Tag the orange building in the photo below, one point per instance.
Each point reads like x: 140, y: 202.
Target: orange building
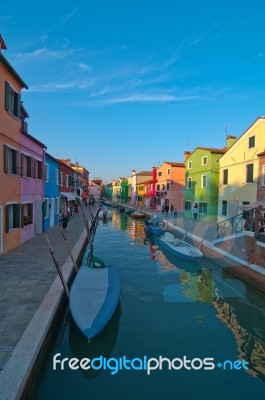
x: 10, y: 130
x: 170, y: 185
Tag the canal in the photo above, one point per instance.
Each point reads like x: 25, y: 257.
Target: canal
x: 203, y: 329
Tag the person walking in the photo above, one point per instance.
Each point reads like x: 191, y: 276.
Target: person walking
x: 195, y: 210
x: 166, y: 209
x: 163, y: 208
x: 65, y: 220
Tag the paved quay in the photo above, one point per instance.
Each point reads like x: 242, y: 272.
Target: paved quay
x: 30, y: 292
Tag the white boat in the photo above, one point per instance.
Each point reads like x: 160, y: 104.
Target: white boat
x: 137, y: 214
x: 179, y: 247
x: 94, y: 296
x: 105, y: 213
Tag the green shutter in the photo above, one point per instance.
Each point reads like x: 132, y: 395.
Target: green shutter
x: 16, y: 215
x: 7, y: 218
x: 7, y: 96
x: 5, y: 158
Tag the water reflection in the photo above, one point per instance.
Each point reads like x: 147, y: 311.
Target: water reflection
x: 101, y: 345
x: 249, y: 335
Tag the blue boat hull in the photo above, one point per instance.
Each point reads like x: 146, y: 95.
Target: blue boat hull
x: 94, y: 296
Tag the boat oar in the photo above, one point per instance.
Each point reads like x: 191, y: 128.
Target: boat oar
x: 58, y: 268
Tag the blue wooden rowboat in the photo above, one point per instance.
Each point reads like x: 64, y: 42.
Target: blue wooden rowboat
x: 179, y: 247
x: 94, y: 296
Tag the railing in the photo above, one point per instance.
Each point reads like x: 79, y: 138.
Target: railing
x: 236, y: 224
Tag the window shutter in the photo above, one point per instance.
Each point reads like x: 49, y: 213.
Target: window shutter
x: 7, y: 217
x: 17, y: 161
x: 16, y: 215
x: 7, y: 96
x: 22, y: 215
x: 5, y: 158
x: 22, y: 164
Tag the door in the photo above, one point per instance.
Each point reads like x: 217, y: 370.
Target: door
x: 52, y: 205
x: 38, y: 217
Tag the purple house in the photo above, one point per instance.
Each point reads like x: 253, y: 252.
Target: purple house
x: 32, y: 156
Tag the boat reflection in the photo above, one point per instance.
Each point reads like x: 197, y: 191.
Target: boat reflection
x: 101, y: 345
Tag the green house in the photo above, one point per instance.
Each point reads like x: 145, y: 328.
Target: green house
x: 124, y: 190
x: 202, y: 183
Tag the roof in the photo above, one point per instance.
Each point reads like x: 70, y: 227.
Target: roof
x: 175, y: 164
x: 34, y: 139
x: 143, y: 173
x: 12, y: 71
x: 2, y: 43
x: 210, y: 150
x: 250, y: 126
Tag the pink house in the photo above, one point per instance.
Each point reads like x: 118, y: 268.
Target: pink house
x: 32, y: 156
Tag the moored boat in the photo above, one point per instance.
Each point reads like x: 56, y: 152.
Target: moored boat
x: 154, y: 225
x: 179, y: 247
x: 137, y: 214
x: 94, y: 296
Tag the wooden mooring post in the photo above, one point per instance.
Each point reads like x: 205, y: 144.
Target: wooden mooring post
x: 58, y: 268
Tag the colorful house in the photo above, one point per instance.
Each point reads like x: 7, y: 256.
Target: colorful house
x: 170, y: 185
x: 11, y: 86
x: 239, y: 171
x: 51, y: 204
x: 150, y: 190
x: 124, y: 190
x: 202, y: 182
x: 261, y: 177
x: 135, y: 180
x: 107, y: 191
x: 32, y: 156
x: 116, y: 189
x: 66, y: 184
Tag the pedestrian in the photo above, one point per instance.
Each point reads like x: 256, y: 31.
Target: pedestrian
x: 65, y: 220
x: 195, y: 210
x: 172, y: 210
x: 166, y: 209
x: 163, y: 208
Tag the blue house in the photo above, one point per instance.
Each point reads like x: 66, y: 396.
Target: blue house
x: 51, y: 203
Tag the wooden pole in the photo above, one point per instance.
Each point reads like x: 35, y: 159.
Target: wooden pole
x: 58, y: 268
x: 69, y: 250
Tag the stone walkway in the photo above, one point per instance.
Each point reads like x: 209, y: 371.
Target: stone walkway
x: 27, y: 274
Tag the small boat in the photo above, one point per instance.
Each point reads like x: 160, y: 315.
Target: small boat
x: 179, y: 247
x: 94, y: 296
x: 121, y: 209
x: 105, y: 213
x: 137, y: 214
x: 154, y: 225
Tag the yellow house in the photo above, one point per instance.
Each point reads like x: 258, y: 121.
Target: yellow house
x: 116, y: 189
x: 239, y: 169
x: 140, y: 194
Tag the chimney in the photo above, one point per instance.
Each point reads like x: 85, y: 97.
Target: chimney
x: 186, y: 154
x: 230, y: 140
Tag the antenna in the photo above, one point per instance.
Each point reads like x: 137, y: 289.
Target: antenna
x: 188, y: 144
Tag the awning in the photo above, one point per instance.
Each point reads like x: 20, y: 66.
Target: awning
x: 250, y: 206
x: 68, y: 195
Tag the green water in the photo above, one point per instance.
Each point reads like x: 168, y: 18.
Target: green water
x: 169, y: 308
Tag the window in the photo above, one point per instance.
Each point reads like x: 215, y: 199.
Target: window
x: 160, y: 173
x: 203, y: 207
x: 46, y: 172
x: 46, y: 208
x: 12, y: 101
x: 26, y: 214
x: 38, y: 169
x: 204, y: 160
x: 224, y: 208
x: 204, y: 181
x: 249, y: 173
x: 189, y: 183
x: 60, y: 179
x: 225, y: 176
x: 187, y: 205
x: 11, y: 160
x: 168, y: 171
x: 251, y: 142
x: 12, y: 217
x: 67, y: 180
x: 57, y: 205
x: 168, y: 186
x: 189, y: 164
x: 57, y: 176
x: 26, y: 166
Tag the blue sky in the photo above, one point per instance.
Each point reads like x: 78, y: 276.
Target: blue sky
x: 127, y: 84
